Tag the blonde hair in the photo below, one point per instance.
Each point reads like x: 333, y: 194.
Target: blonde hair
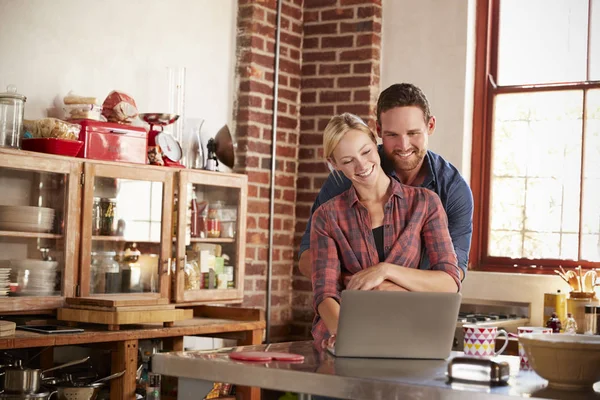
x: 338, y: 126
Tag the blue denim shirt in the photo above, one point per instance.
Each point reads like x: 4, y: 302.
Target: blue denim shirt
x: 442, y: 178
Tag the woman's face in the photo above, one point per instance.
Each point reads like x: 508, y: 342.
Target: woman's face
x: 356, y: 157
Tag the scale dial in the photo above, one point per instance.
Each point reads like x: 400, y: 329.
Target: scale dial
x: 169, y: 146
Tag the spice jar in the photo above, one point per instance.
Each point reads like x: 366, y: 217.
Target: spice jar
x: 213, y: 222
x: 12, y: 106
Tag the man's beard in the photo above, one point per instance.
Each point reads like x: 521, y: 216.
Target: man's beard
x: 410, y: 163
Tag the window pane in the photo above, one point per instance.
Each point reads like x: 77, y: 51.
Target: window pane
x: 595, y: 41
x: 590, y: 246
x: 536, y: 172
x: 550, y: 47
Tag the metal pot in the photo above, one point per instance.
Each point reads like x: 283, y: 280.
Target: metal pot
x: 27, y: 380
x: 26, y: 396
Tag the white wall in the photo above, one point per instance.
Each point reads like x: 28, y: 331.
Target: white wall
x: 431, y: 43
x: 427, y: 43
x: 49, y: 47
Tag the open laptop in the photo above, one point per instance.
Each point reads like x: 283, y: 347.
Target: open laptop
x: 396, y: 324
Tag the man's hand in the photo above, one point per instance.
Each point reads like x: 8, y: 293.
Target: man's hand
x: 369, y: 278
x: 387, y: 286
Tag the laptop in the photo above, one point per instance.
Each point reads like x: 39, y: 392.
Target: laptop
x: 415, y: 325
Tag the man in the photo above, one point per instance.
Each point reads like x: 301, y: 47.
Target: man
x: 404, y: 123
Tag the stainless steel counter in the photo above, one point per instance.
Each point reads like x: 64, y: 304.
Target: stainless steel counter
x: 346, y: 378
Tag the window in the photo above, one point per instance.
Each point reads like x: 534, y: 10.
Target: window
x: 536, y: 138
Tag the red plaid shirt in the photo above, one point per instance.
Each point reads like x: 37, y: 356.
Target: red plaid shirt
x: 341, y: 240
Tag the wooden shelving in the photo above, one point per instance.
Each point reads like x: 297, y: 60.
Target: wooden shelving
x: 34, y: 235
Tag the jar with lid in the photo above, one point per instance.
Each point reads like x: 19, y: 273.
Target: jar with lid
x: 104, y: 272
x: 12, y: 107
x: 576, y: 306
x: 103, y: 216
x: 213, y: 223
x: 590, y: 320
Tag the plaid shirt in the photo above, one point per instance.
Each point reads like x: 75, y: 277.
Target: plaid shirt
x: 341, y: 240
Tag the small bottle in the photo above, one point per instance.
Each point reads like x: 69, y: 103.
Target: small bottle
x: 590, y: 320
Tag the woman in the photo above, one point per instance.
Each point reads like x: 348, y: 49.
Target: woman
x: 374, y: 231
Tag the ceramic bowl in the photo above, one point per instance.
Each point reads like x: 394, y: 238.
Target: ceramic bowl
x: 568, y: 362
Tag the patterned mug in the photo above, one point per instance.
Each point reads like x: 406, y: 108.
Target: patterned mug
x: 523, y: 360
x: 480, y: 341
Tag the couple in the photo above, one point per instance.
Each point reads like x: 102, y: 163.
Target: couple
x: 400, y: 217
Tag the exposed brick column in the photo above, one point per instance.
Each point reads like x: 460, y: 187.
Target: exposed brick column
x: 253, y: 118
x: 340, y: 73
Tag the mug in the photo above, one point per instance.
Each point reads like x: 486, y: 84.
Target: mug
x: 523, y: 360
x: 480, y: 341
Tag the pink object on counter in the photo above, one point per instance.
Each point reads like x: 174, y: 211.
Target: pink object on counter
x: 262, y: 356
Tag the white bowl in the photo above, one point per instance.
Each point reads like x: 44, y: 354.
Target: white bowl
x: 568, y: 362
x: 26, y: 227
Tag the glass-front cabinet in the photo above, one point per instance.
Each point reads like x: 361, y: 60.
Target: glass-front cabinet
x: 39, y: 230
x: 210, y: 229
x: 126, y: 238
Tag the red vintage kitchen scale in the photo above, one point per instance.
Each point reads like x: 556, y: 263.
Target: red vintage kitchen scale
x: 163, y: 148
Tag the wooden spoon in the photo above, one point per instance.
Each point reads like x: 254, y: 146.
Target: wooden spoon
x: 573, y: 280
x: 589, y: 280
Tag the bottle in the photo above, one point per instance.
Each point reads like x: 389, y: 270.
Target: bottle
x: 597, y: 320
x: 212, y: 163
x: 194, y: 228
x: 590, y: 320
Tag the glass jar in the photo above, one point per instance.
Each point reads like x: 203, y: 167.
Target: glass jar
x: 590, y: 320
x: 103, y: 216
x: 12, y: 107
x: 104, y: 272
x: 213, y: 222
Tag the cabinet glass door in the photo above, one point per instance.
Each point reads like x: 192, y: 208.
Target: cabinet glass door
x: 211, y: 236
x: 38, y: 236
x: 127, y: 230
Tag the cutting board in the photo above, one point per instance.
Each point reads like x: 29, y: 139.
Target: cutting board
x: 116, y: 318
x: 112, y: 301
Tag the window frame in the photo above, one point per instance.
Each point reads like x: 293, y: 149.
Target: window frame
x: 485, y: 89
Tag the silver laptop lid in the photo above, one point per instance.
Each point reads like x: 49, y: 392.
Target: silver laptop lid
x: 397, y: 324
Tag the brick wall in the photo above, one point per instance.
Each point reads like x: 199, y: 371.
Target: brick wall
x: 253, y: 119
x: 340, y: 73
x: 329, y: 64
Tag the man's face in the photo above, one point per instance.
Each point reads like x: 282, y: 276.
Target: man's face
x: 405, y: 136
x: 356, y: 157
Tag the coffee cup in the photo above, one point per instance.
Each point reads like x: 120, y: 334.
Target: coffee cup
x: 480, y: 341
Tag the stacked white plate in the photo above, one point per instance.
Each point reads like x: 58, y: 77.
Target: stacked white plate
x: 35, y: 277
x: 26, y: 218
x: 4, y: 281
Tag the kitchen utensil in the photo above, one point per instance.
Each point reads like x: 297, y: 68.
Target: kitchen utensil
x: 478, y: 370
x: 110, y: 377
x: 18, y: 379
x: 87, y: 392
x: 573, y: 281
x: 568, y: 362
x: 589, y: 280
x: 161, y: 149
x: 26, y: 396
x: 12, y: 106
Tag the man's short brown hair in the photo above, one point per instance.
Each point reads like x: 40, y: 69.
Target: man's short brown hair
x: 402, y: 95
